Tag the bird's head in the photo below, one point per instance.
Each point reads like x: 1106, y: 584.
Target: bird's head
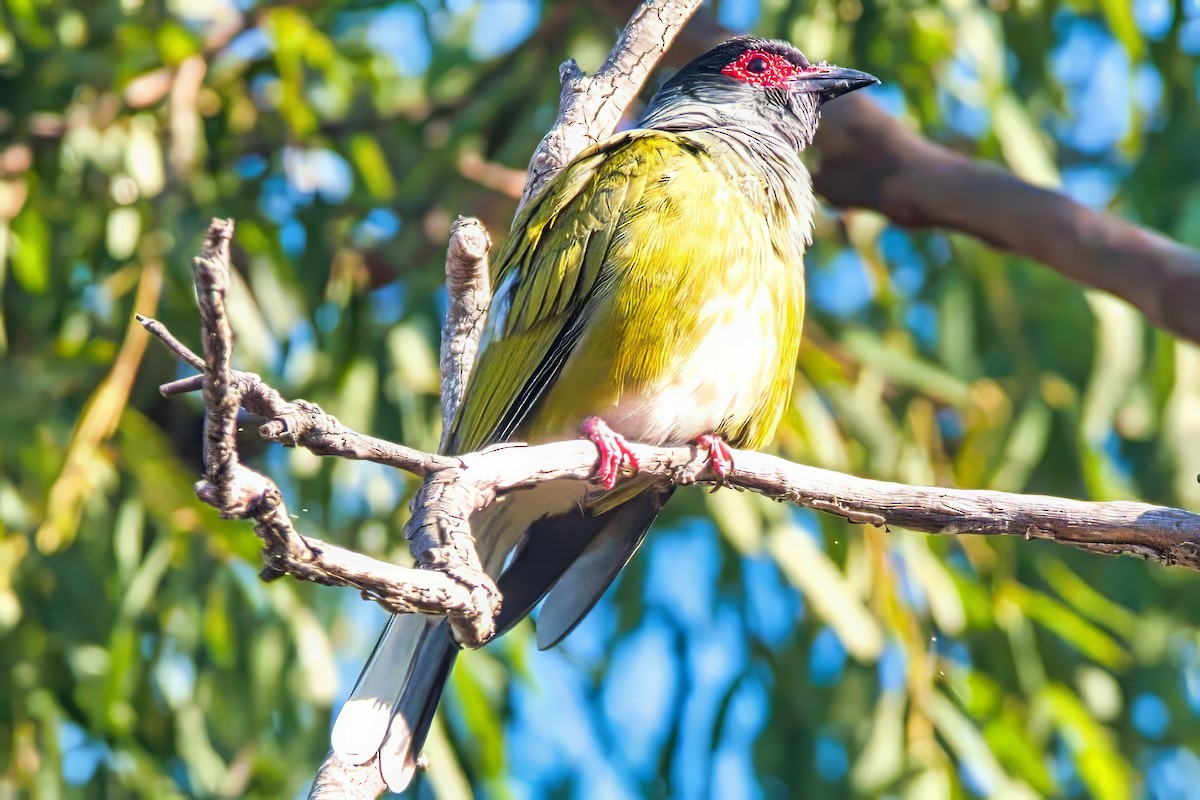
x: 750, y: 82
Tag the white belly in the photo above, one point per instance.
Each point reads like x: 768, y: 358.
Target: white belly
x: 725, y: 372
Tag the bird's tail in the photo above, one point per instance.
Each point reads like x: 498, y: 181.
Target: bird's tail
x: 392, y: 705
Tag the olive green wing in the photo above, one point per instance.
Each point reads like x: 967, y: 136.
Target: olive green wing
x: 548, y: 276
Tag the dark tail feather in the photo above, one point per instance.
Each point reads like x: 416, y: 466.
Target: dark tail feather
x: 552, y: 545
x: 573, y: 558
x: 589, y: 576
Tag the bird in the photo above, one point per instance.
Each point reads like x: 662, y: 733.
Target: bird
x: 653, y: 290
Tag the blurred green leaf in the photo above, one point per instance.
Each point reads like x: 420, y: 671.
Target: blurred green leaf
x: 1067, y: 625
x: 1087, y: 600
x: 882, y: 757
x: 972, y: 749
x: 372, y: 166
x: 479, y: 718
x: 30, y: 252
x: 906, y: 370
x: 811, y: 571
x: 1023, y: 144
x: 1105, y: 773
x: 1019, y: 751
x: 1122, y: 23
x: 175, y: 42
x: 945, y: 602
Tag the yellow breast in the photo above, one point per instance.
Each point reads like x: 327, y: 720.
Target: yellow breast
x: 698, y: 331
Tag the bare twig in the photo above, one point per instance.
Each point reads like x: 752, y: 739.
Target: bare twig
x: 156, y: 328
x: 470, y: 291
x: 591, y: 106
x: 298, y: 424
x: 238, y: 492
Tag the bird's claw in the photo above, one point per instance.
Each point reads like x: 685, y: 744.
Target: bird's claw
x: 718, y: 455
x: 614, y: 451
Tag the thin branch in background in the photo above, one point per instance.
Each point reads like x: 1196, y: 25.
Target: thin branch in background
x: 870, y: 160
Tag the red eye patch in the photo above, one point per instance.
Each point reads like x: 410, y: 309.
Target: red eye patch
x: 761, y: 68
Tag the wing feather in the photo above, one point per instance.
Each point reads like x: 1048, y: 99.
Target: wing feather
x: 560, y: 259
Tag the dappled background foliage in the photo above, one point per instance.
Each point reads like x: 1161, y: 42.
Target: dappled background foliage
x: 751, y: 649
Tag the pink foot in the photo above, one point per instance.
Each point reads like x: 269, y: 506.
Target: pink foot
x: 614, y: 451
x: 720, y: 457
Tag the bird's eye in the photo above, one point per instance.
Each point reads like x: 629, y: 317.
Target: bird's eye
x: 760, y: 68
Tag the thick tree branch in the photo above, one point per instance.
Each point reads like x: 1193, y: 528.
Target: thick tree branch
x: 1167, y: 535
x: 869, y: 160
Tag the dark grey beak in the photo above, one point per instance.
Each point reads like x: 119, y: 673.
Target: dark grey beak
x: 830, y: 81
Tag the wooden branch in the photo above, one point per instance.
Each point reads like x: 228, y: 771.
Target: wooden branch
x: 1168, y: 535
x: 457, y: 487
x: 869, y: 160
x: 469, y: 287
x: 298, y: 424
x: 455, y: 584
x: 590, y: 107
